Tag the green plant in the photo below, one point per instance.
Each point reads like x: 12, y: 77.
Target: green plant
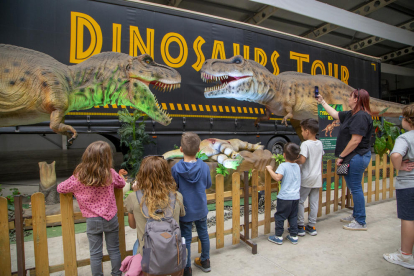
x: 221, y: 169
x: 201, y: 155
x: 278, y: 158
x: 385, y: 135
x: 176, y: 147
x: 134, y: 137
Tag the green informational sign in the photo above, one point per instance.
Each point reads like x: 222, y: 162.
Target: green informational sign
x: 328, y: 130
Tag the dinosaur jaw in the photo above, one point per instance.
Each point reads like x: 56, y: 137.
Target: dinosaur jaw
x: 229, y: 87
x: 144, y: 100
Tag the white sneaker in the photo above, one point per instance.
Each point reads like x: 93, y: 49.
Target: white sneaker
x: 400, y: 259
x: 348, y: 219
x: 355, y: 226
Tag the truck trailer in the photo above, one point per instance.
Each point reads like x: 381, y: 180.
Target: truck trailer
x: 72, y: 31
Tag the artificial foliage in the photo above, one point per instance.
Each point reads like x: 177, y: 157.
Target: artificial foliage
x: 134, y: 137
x: 221, y: 170
x: 278, y: 158
x: 385, y: 135
x: 201, y: 155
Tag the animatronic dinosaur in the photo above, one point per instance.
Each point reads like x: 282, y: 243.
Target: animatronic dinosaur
x: 289, y: 94
x: 224, y: 152
x: 329, y: 128
x: 35, y: 87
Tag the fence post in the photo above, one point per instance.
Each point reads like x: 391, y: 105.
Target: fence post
x: 268, y: 202
x: 320, y: 197
x: 343, y: 193
x: 119, y: 197
x: 18, y: 226
x: 220, y: 211
x: 40, y: 234
x: 377, y: 167
x: 384, y: 176
x: 255, y: 204
x: 68, y: 234
x: 336, y: 189
x: 391, y: 179
x: 369, y: 181
x: 235, y: 193
x: 328, y: 186
x: 5, y: 258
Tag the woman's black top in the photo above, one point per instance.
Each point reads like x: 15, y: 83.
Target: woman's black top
x: 361, y: 124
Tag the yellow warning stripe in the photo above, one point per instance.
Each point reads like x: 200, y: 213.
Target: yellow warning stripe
x: 176, y: 115
x: 202, y: 108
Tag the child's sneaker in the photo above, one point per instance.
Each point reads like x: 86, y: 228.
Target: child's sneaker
x: 348, y: 219
x: 311, y: 230
x: 301, y: 231
x: 203, y: 265
x: 400, y: 259
x: 274, y: 239
x: 188, y: 271
x: 293, y: 240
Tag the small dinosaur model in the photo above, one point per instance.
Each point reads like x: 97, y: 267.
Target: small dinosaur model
x: 34, y: 87
x: 289, y: 94
x: 225, y: 152
x: 329, y: 128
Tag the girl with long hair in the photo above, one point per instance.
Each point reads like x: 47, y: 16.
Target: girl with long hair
x: 353, y: 147
x: 93, y: 183
x: 155, y: 181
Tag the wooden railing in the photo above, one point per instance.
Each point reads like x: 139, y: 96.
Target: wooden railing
x: 39, y: 221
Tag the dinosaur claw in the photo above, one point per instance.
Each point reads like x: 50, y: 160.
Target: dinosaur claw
x: 70, y: 141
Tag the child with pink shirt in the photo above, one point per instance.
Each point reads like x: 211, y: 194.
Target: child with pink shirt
x: 92, y: 183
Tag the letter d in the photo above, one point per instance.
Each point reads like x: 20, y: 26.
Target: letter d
x: 78, y: 22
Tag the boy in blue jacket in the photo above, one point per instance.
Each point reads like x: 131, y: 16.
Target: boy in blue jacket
x: 192, y: 176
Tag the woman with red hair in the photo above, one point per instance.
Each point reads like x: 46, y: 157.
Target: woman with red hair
x: 353, y: 147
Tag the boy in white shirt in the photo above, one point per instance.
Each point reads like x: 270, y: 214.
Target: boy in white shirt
x: 310, y: 159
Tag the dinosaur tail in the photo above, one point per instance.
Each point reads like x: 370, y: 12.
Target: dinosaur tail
x: 393, y: 109
x: 173, y: 154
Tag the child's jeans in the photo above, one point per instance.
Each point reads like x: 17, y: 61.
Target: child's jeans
x: 95, y: 227
x: 286, y: 210
x: 186, y: 232
x: 313, y: 194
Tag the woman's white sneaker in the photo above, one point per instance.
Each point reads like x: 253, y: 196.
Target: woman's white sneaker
x: 400, y: 259
x: 355, y: 226
x: 348, y: 219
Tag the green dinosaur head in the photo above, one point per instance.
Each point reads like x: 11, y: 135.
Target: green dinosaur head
x: 239, y: 79
x: 143, y: 71
x: 117, y: 78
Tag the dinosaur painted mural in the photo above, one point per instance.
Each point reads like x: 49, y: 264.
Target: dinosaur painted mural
x: 225, y: 152
x: 289, y: 94
x: 34, y: 87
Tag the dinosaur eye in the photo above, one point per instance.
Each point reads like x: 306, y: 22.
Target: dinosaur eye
x: 237, y: 61
x: 148, y: 60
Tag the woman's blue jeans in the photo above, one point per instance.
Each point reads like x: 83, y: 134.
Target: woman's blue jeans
x: 357, y: 166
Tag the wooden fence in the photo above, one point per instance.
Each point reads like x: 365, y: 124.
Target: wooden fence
x: 341, y: 199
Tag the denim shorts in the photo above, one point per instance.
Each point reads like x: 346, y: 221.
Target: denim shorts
x: 405, y: 203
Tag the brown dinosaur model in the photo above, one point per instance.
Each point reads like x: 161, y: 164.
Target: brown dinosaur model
x: 329, y: 128
x: 35, y: 87
x: 289, y: 94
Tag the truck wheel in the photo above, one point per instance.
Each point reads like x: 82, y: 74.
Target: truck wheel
x: 276, y: 145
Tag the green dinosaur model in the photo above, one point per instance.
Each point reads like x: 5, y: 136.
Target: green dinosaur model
x: 289, y: 94
x: 35, y: 87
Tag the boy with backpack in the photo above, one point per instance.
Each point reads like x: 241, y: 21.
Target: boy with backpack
x: 310, y: 159
x: 192, y: 176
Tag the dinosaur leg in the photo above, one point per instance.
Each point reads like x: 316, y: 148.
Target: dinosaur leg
x: 266, y: 117
x: 296, y: 125
x: 57, y: 126
x: 289, y: 115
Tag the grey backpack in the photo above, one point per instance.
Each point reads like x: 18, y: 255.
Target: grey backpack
x: 163, y: 252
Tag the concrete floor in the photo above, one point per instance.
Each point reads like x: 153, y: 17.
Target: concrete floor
x: 332, y: 251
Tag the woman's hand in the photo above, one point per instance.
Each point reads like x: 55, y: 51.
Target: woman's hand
x: 407, y: 165
x: 339, y: 161
x: 319, y: 99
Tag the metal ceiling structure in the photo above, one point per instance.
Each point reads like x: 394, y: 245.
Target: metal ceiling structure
x: 380, y: 28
